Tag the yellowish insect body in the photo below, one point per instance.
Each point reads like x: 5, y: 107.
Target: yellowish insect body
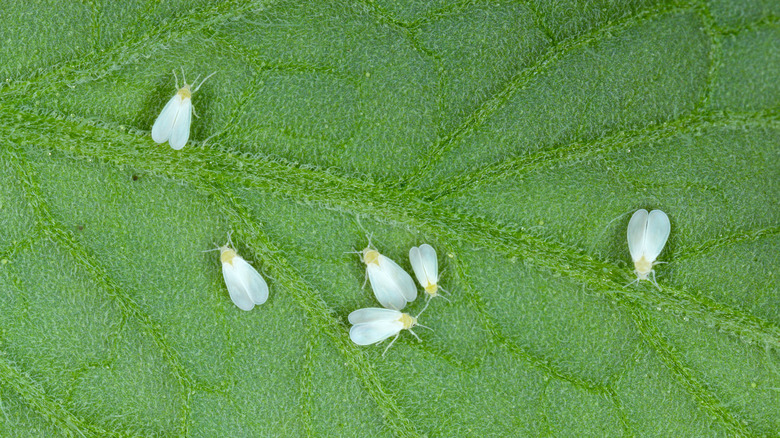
x: 226, y: 254
x: 185, y: 92
x: 173, y: 123
x: 426, y: 268
x: 245, y: 285
x: 647, y: 234
x: 373, y: 325
x: 643, y: 268
x: 370, y: 256
x: 407, y: 320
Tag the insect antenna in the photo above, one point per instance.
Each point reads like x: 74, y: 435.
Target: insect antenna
x: 427, y: 302
x: 201, y: 82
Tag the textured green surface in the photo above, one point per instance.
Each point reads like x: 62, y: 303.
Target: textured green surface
x: 515, y: 137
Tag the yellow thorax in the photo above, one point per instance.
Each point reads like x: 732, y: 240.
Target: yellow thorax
x: 407, y: 320
x: 185, y: 93
x: 226, y: 254
x: 371, y: 256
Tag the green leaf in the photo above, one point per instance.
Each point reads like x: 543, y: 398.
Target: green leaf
x: 515, y: 137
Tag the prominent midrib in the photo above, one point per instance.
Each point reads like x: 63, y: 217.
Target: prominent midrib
x: 332, y: 191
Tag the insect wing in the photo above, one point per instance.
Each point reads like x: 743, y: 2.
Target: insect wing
x: 238, y: 283
x: 369, y: 314
x: 400, y: 277
x: 385, y: 289
x: 425, y: 264
x: 163, y: 125
x: 180, y: 132
x: 236, y: 287
x: 256, y: 287
x: 393, y: 287
x: 656, y: 234
x: 374, y: 331
x: 637, y: 227
x: 415, y: 258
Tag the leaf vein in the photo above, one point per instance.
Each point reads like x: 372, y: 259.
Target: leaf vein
x: 519, y: 81
x: 57, y: 233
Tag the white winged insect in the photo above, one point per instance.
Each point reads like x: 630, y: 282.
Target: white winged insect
x: 373, y: 325
x: 173, y: 123
x: 393, y: 287
x: 647, y: 235
x: 244, y: 283
x: 426, y: 268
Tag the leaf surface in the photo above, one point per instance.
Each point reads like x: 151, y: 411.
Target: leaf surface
x: 514, y: 137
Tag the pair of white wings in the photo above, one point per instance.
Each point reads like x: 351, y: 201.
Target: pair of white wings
x: 647, y: 234
x: 244, y: 283
x: 173, y: 123
x: 425, y: 264
x: 393, y: 287
x: 372, y: 325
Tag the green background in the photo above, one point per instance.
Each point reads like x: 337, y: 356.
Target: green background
x: 516, y: 137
